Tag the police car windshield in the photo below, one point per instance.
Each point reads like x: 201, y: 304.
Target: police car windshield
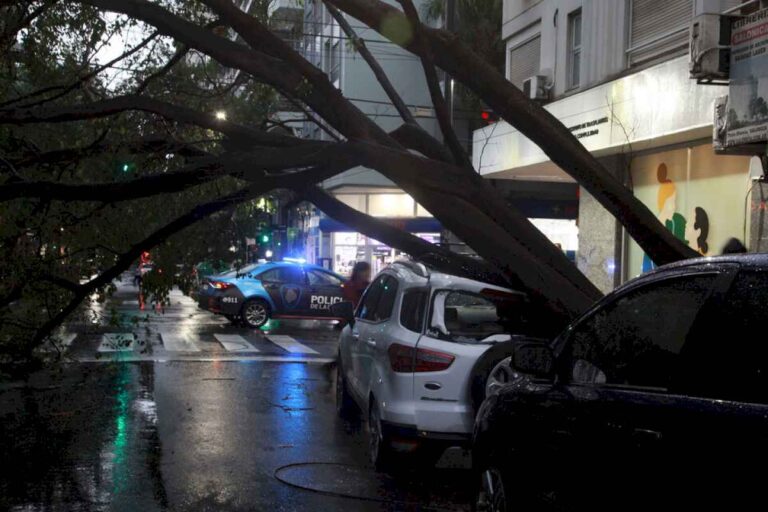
x: 241, y: 271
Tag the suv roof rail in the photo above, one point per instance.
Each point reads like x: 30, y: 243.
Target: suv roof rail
x: 416, y: 267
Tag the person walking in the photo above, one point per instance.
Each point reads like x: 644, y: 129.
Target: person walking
x: 358, y: 282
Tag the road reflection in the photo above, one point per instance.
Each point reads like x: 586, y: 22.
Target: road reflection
x: 82, y: 439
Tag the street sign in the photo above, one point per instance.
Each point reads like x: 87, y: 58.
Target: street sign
x: 747, y: 108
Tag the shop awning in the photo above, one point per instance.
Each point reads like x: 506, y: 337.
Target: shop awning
x: 413, y: 225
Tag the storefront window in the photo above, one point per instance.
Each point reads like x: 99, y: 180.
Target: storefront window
x: 390, y: 205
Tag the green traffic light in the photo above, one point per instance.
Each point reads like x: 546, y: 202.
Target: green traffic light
x: 126, y: 167
x: 265, y: 238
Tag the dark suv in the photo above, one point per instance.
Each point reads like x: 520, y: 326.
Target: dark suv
x: 656, y: 397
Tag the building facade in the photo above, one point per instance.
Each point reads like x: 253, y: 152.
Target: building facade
x: 615, y: 72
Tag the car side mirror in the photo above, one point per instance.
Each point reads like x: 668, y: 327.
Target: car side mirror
x: 534, y: 359
x: 344, y: 310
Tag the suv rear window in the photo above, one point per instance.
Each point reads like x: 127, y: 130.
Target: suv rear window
x: 471, y: 317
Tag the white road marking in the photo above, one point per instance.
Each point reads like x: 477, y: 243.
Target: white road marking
x: 290, y: 345
x: 234, y: 343
x: 178, y: 342
x: 63, y: 341
x: 116, y: 342
x: 228, y: 359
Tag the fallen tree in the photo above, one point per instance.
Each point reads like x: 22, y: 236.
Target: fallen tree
x: 69, y: 215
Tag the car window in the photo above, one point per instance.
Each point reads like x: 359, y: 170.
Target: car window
x: 464, y: 316
x: 289, y: 275
x: 412, y: 310
x: 320, y: 278
x: 730, y: 359
x: 379, y: 299
x: 636, y: 339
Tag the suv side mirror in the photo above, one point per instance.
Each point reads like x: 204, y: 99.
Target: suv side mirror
x: 345, y: 311
x: 534, y: 359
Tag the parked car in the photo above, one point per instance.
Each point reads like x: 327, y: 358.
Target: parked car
x: 417, y: 354
x: 657, y: 397
x: 255, y: 293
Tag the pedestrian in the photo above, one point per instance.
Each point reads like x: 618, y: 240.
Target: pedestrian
x: 358, y: 282
x: 734, y: 246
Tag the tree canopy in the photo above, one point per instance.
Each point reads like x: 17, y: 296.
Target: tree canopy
x: 102, y: 158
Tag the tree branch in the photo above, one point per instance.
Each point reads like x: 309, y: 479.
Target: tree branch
x: 442, y: 111
x: 437, y: 256
x: 536, y: 123
x: 116, y: 105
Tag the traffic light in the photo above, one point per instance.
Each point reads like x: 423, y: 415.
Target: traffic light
x: 265, y: 238
x: 489, y: 116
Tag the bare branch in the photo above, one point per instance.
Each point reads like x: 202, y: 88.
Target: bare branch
x: 378, y: 71
x: 442, y: 112
x: 112, y: 106
x: 439, y: 257
x: 536, y: 123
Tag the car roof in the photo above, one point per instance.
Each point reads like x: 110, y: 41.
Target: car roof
x: 419, y: 274
x: 756, y: 261
x: 262, y: 267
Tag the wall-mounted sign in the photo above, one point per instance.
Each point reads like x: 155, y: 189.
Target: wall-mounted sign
x: 747, y: 109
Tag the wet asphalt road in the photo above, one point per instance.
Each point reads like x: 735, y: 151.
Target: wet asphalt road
x: 199, y: 425
x: 185, y: 435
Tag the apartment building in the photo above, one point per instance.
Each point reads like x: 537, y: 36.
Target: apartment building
x: 615, y: 72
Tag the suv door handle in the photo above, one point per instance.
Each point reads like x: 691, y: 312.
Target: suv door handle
x: 355, y: 335
x: 371, y: 341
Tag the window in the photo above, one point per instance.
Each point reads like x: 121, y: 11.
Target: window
x: 636, y: 339
x: 320, y: 278
x: 412, y: 310
x: 291, y: 275
x: 574, y: 49
x: 730, y: 359
x: 334, y: 72
x: 379, y: 299
x: 470, y: 317
x: 658, y: 29
x: 524, y: 61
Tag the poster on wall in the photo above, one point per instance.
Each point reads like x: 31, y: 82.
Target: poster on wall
x: 747, y: 109
x: 694, y: 193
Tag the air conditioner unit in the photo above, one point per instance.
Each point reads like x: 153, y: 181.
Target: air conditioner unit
x: 710, y: 55
x: 535, y: 87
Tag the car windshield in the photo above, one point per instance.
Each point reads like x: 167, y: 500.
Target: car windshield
x: 469, y: 317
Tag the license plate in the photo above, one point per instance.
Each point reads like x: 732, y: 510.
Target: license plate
x: 229, y: 300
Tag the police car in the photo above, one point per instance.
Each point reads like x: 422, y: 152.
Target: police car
x: 287, y: 289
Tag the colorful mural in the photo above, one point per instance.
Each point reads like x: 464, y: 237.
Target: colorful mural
x: 697, y: 195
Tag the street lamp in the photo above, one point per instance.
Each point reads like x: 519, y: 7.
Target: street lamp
x: 221, y: 115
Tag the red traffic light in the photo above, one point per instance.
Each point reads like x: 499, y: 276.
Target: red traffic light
x: 489, y: 116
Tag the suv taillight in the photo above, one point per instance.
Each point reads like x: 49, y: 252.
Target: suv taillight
x: 404, y: 359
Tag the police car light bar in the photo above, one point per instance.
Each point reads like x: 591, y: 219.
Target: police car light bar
x: 295, y: 260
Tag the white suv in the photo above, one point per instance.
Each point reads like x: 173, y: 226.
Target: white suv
x: 418, y: 353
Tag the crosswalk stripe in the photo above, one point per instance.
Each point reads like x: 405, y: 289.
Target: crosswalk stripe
x: 290, y: 345
x: 178, y: 342
x: 234, y: 343
x: 116, y: 342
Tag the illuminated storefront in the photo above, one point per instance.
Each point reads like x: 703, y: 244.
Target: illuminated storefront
x: 652, y: 129
x: 338, y: 246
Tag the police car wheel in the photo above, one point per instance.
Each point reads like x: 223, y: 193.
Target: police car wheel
x: 255, y: 313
